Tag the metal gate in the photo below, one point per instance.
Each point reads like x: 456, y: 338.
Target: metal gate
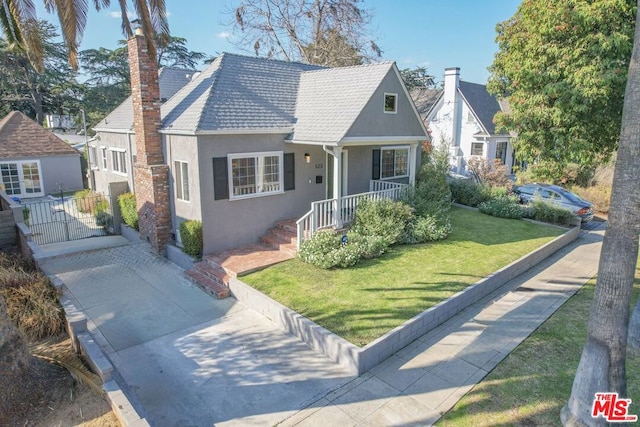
x: 67, y: 218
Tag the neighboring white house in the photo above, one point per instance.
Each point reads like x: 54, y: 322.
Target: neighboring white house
x: 461, y: 115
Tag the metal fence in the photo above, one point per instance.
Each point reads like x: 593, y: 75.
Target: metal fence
x: 67, y: 218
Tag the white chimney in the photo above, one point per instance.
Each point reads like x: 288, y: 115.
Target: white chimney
x: 452, y: 105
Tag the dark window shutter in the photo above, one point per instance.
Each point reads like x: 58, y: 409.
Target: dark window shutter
x: 220, y: 178
x: 289, y: 171
x: 375, y: 173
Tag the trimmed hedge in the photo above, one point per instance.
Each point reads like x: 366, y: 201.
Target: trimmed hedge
x: 502, y: 207
x: 129, y: 209
x: 545, y: 212
x: 191, y: 236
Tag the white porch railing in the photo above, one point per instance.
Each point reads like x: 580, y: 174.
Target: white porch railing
x: 339, y: 212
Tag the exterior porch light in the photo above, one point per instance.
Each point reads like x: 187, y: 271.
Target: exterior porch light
x: 307, y: 157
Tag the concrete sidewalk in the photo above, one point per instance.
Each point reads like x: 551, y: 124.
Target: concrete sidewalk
x: 191, y: 360
x: 420, y: 383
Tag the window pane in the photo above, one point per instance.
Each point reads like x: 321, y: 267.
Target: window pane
x: 402, y: 162
x: 31, y: 177
x: 271, y: 174
x: 387, y: 163
x: 390, y: 103
x: 178, y: 179
x: 185, y: 181
x: 244, y: 180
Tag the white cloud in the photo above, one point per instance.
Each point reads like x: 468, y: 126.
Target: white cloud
x: 116, y: 14
x: 224, y: 35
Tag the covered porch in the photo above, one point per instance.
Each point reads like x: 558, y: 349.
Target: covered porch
x: 340, y: 211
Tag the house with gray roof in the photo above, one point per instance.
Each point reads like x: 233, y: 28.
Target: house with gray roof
x: 461, y: 116
x: 34, y: 162
x: 251, y: 141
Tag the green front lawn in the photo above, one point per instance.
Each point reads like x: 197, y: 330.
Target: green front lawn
x: 364, y: 302
x: 531, y: 385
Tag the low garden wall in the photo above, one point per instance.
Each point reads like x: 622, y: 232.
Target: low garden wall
x: 357, y: 360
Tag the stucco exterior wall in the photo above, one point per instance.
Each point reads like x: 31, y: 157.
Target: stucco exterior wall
x: 62, y: 171
x: 374, y: 122
x: 185, y: 149
x: 103, y: 176
x: 230, y: 223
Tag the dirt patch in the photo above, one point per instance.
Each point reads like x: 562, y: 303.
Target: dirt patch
x: 50, y: 397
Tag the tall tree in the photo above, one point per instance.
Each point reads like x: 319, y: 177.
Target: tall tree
x: 19, y: 24
x: 53, y: 90
x: 324, y: 32
x: 602, y: 364
x: 418, y: 77
x: 563, y: 65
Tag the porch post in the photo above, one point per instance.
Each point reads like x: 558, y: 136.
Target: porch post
x: 413, y: 158
x: 337, y: 185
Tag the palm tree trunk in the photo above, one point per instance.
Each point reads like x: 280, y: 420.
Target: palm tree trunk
x: 602, y: 364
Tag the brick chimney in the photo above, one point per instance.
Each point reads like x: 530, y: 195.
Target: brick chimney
x: 150, y: 173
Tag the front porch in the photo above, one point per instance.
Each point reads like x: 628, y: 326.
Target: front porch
x: 340, y: 211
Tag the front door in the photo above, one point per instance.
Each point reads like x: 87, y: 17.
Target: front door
x: 22, y: 178
x: 345, y: 168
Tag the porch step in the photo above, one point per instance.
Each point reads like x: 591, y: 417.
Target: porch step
x: 213, y: 272
x: 282, y: 237
x: 211, y: 280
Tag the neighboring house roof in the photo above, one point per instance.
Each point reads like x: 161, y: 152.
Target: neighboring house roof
x: 330, y: 100
x: 237, y: 93
x: 483, y: 105
x: 425, y: 99
x: 22, y: 137
x: 171, y: 80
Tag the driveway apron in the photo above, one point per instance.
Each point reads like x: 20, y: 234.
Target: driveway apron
x: 188, y: 359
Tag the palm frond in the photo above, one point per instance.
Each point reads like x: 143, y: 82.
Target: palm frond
x: 67, y: 359
x: 20, y: 27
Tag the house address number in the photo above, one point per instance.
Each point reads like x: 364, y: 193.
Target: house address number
x: 318, y: 165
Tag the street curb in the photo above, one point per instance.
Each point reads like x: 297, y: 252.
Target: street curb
x: 357, y: 360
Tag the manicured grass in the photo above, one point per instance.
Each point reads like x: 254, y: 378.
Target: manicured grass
x: 530, y: 386
x: 364, y: 302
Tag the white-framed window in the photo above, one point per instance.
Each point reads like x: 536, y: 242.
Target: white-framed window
x: 93, y: 157
x: 255, y: 174
x: 119, y: 160
x: 394, y: 162
x: 391, y: 103
x: 22, y: 178
x: 181, y: 172
x: 477, y: 148
x: 103, y: 156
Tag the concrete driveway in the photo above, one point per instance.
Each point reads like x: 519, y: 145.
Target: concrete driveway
x: 187, y: 358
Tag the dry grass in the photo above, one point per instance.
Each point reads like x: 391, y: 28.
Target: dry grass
x: 32, y: 302
x: 599, y: 195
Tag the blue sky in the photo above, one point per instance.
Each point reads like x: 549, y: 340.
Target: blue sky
x: 435, y: 34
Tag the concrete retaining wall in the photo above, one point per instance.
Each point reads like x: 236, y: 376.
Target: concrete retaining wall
x: 179, y: 258
x: 358, y: 360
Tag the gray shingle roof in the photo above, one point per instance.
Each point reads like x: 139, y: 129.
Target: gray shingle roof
x: 484, y: 105
x: 237, y: 92
x: 170, y: 81
x: 425, y: 99
x: 334, y: 96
